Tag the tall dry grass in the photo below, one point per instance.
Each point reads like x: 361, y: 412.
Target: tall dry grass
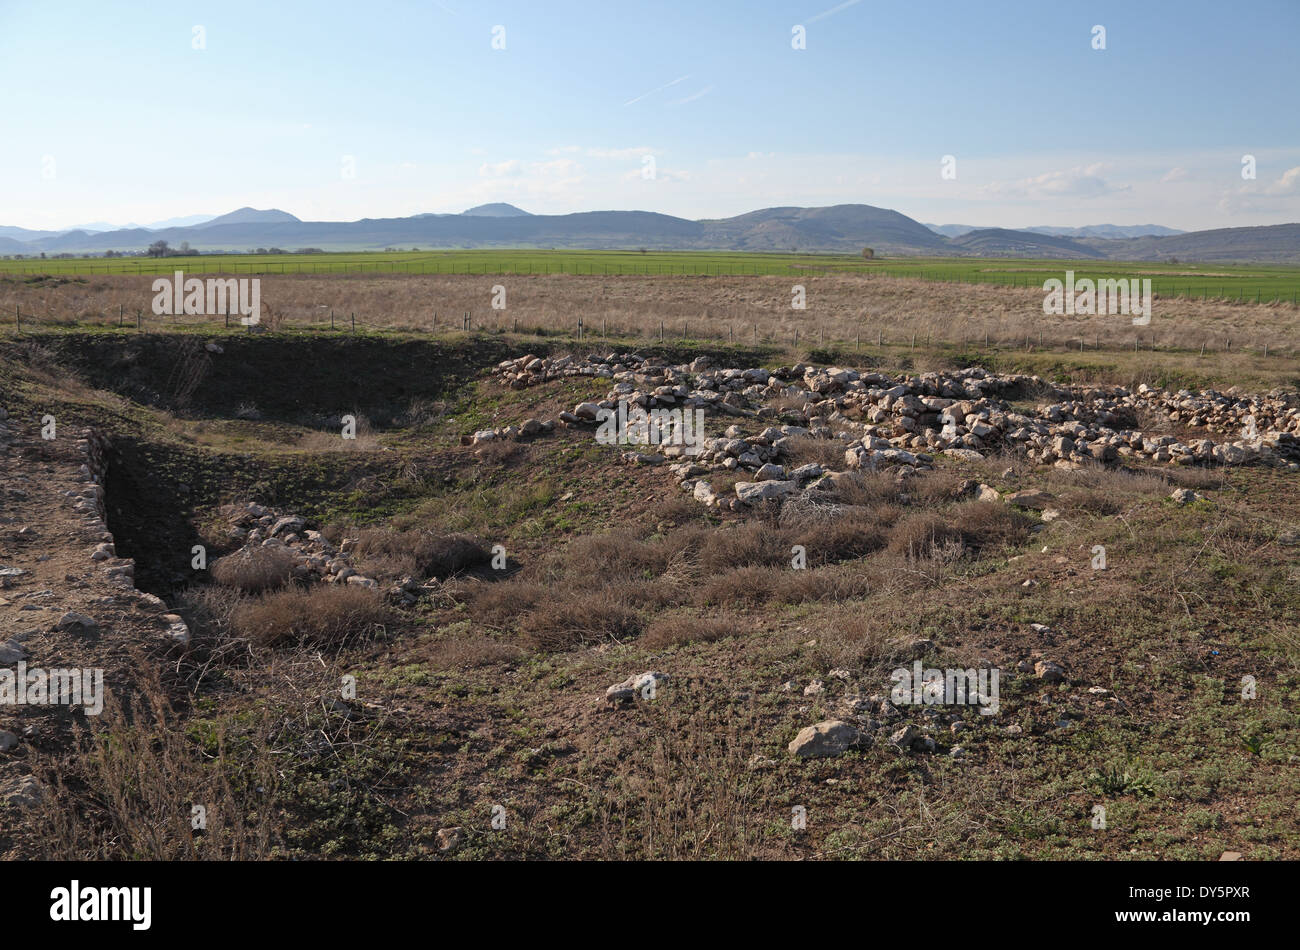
x: 840, y: 310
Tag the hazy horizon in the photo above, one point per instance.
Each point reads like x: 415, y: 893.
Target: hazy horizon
x: 159, y: 226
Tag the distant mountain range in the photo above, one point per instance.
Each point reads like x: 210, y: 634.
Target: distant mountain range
x: 839, y: 228
x: 1090, y: 230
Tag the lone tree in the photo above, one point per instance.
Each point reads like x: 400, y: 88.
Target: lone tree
x: 868, y: 253
x: 159, y: 249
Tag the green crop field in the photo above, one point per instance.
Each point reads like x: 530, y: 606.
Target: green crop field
x: 1262, y: 283
x: 522, y: 261
x: 1240, y: 282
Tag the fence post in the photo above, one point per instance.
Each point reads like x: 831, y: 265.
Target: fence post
x: 354, y: 321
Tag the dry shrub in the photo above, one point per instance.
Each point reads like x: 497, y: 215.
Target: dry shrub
x: 743, y: 586
x: 850, y: 639
x: 472, y: 652
x: 821, y: 584
x: 564, y: 622
x: 985, y: 525
x: 445, y: 555
x: 803, y: 449
x: 388, y: 553
x: 748, y: 544
x: 325, y: 616
x: 255, y: 570
x: 976, y: 525
x: 854, y: 534
x: 500, y: 451
x: 635, y: 558
x: 1094, y: 501
x: 932, y: 489
x: 868, y: 489
x: 656, y: 594
x: 679, y: 630
x: 499, y: 603
x: 675, y: 510
x: 923, y: 534
x: 809, y: 510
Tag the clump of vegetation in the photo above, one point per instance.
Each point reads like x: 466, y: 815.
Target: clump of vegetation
x: 255, y: 570
x: 389, y: 553
x: 318, y: 616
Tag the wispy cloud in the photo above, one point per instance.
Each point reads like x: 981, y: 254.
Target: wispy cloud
x: 1288, y: 184
x: 660, y: 89
x: 621, y: 154
x: 1081, y: 182
x: 1275, y: 197
x: 608, y: 154
x: 691, y: 98
x: 834, y: 10
x: 501, y: 169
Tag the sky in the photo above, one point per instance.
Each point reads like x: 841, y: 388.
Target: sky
x: 144, y: 111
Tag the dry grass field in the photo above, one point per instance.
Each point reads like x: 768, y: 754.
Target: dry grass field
x: 839, y: 310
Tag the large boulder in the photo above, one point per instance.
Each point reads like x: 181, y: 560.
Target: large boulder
x: 772, y: 489
x: 1031, y: 498
x: 829, y: 738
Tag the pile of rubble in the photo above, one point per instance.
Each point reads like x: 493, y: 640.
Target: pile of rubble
x: 315, y: 558
x: 889, y: 421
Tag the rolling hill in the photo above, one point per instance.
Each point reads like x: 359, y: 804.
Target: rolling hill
x: 839, y: 228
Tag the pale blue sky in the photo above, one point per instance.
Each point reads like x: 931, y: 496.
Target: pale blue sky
x: 111, y: 114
